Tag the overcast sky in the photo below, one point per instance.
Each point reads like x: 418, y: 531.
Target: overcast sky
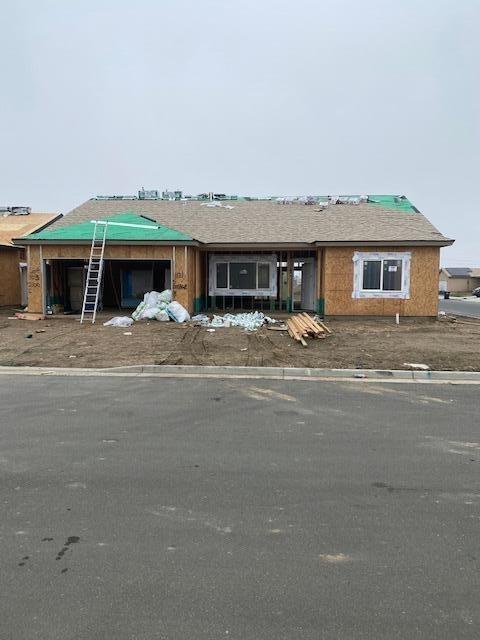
x: 259, y: 97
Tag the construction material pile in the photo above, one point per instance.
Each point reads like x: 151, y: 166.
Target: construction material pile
x: 249, y: 321
x: 304, y: 326
x: 159, y: 306
x: 154, y: 306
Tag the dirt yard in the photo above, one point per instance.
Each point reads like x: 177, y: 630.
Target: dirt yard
x: 371, y: 344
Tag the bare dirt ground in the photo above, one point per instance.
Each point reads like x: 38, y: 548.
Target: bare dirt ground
x: 359, y: 343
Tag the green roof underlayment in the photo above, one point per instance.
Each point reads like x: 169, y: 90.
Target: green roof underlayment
x: 398, y: 203
x: 84, y: 231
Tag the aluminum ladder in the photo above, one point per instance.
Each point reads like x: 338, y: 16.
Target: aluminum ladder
x: 95, y: 272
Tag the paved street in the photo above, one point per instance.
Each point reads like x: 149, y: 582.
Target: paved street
x: 136, y: 509
x: 459, y: 307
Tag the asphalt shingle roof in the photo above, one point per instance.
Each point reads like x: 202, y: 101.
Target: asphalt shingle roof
x: 459, y: 272
x: 266, y: 221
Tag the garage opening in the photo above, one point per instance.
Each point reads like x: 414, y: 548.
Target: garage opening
x: 124, y: 283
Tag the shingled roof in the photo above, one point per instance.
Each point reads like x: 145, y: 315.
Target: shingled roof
x: 459, y: 272
x: 384, y: 219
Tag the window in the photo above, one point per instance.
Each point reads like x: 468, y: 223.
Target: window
x: 372, y: 274
x: 263, y: 275
x: 222, y: 275
x: 392, y: 275
x: 381, y: 275
x: 243, y: 275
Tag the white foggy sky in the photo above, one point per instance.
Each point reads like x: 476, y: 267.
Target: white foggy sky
x: 259, y: 97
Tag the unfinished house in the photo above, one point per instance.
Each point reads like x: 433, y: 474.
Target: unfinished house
x: 334, y: 255
x: 14, y: 222
x: 459, y: 280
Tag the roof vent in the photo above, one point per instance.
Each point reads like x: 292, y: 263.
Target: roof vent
x: 115, y: 197
x: 151, y: 194
x: 171, y: 195
x: 15, y: 211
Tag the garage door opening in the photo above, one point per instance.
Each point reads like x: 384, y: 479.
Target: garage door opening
x: 123, y: 286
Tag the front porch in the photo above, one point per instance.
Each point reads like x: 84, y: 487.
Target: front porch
x: 282, y: 281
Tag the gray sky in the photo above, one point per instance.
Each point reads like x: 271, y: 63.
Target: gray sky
x: 247, y: 96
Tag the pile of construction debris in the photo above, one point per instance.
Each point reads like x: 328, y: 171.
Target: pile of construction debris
x: 249, y: 321
x: 303, y: 326
x: 154, y: 306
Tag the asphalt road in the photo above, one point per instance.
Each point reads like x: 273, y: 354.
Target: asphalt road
x: 460, y: 307
x: 249, y: 510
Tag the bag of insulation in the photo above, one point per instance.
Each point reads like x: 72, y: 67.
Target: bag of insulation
x: 119, y: 321
x: 165, y: 296
x: 177, y: 312
x: 162, y: 316
x: 153, y: 302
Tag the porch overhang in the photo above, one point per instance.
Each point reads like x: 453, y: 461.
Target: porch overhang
x: 384, y: 243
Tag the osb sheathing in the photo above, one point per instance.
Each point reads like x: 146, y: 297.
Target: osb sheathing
x: 182, y: 262
x: 35, y: 279
x: 184, y: 275
x: 10, y: 289
x: 112, y: 252
x: 338, y: 284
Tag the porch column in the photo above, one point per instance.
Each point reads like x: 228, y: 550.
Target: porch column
x: 35, y: 279
x: 198, y: 303
x: 320, y: 302
x: 184, y: 276
x: 289, y: 283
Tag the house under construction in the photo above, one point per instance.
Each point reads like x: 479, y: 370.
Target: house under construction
x: 369, y: 255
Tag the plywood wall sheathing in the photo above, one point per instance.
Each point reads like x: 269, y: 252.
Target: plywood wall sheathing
x: 10, y: 289
x: 338, y: 284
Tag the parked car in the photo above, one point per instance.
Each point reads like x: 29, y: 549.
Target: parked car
x: 476, y: 292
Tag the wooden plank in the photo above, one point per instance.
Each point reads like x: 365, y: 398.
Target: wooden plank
x: 324, y: 326
x: 30, y: 316
x: 294, y: 332
x: 292, y: 329
x: 318, y: 331
x: 311, y: 323
x: 300, y: 325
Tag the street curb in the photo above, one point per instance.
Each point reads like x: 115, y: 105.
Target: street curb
x: 268, y: 373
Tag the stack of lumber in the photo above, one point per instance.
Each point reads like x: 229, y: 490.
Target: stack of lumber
x: 303, y: 326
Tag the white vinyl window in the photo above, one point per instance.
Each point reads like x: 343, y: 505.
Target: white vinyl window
x: 381, y: 275
x: 243, y: 275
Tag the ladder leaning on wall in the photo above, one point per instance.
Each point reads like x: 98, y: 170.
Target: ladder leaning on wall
x: 95, y: 271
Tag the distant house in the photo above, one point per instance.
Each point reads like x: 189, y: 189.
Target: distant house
x: 14, y: 222
x: 337, y: 256
x: 459, y: 279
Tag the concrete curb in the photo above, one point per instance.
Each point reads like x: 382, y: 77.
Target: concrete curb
x: 268, y: 373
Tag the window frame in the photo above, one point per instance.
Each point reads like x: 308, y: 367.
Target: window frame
x: 268, y: 259
x: 360, y: 257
